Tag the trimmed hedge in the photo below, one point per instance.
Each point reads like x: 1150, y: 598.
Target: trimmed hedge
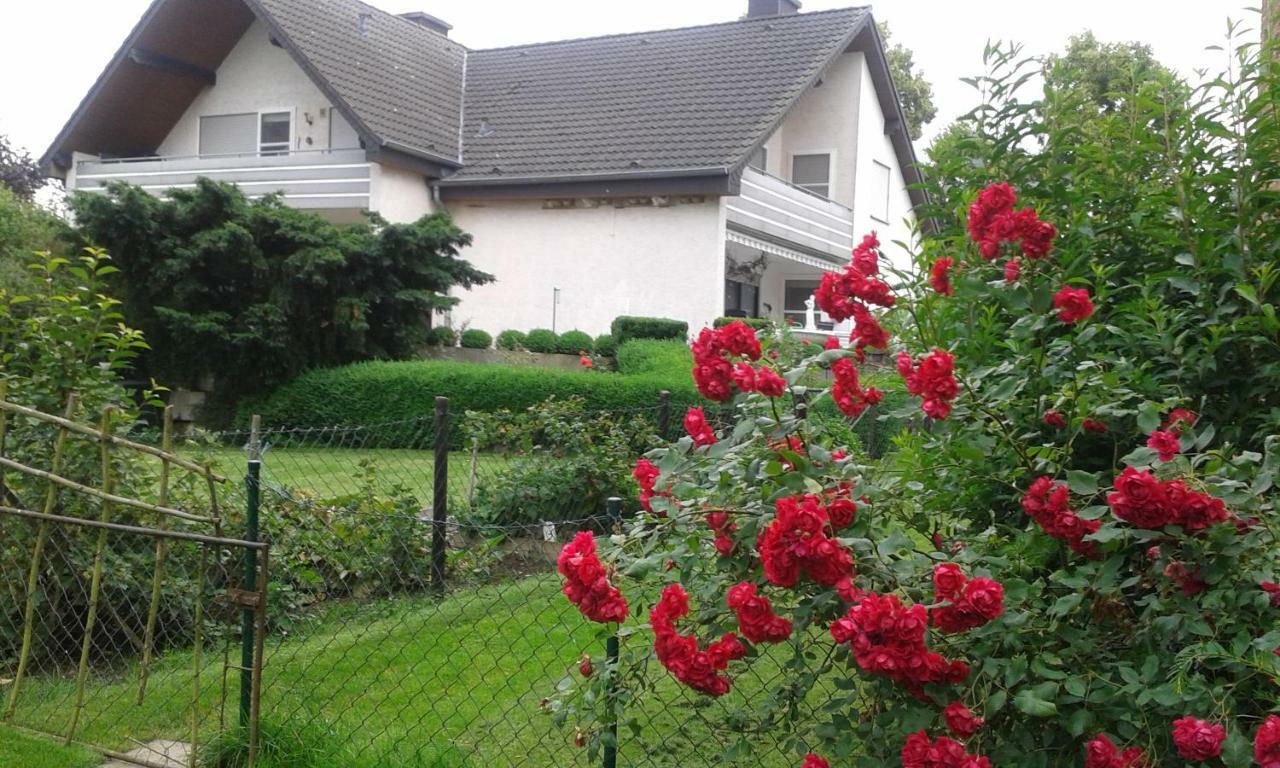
x: 758, y: 323
x: 511, y: 340
x: 650, y: 357
x: 574, y: 342
x: 625, y: 328
x: 371, y: 393
x: 541, y: 340
x: 441, y: 336
x: 474, y: 338
x: 605, y: 346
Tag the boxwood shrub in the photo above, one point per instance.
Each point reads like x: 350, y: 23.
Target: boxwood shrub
x: 605, y: 346
x: 374, y: 393
x: 541, y: 340
x: 625, y: 328
x: 511, y: 340
x: 755, y: 322
x: 474, y: 338
x: 441, y: 336
x: 573, y: 342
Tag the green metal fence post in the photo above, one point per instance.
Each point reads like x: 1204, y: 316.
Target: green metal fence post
x: 253, y: 475
x: 440, y: 495
x: 614, y: 506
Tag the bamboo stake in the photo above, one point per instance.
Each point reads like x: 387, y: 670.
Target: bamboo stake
x: 100, y: 494
x: 37, y: 554
x: 162, y: 548
x: 95, y: 583
x: 73, y: 426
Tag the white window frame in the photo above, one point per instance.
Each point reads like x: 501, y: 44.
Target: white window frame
x: 820, y: 318
x: 293, y: 122
x: 831, y: 170
x: 881, y: 213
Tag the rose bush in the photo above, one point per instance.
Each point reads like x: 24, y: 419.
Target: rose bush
x: 1063, y: 564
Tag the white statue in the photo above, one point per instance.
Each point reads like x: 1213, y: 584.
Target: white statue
x: 809, y: 324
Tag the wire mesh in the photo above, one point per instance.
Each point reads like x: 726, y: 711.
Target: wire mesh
x: 369, y: 660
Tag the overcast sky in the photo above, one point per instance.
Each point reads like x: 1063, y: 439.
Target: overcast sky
x: 55, y: 49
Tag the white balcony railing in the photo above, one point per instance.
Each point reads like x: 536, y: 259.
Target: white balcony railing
x: 312, y: 179
x: 782, y: 212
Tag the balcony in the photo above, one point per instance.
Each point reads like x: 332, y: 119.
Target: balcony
x: 771, y: 209
x: 338, y: 179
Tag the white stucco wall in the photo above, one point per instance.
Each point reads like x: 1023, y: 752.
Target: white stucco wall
x: 875, y: 146
x: 400, y: 195
x: 255, y: 77
x: 606, y: 261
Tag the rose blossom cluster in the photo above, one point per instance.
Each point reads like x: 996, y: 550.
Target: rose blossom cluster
x: 586, y: 583
x: 714, y: 354
x: 696, y: 424
x: 1073, y: 304
x: 993, y: 221
x: 1101, y: 752
x: 799, y: 541
x: 887, y: 638
x: 1266, y: 744
x: 1198, y: 739
x: 756, y: 618
x: 940, y: 276
x: 646, y: 475
x: 919, y: 751
x: 932, y: 380
x: 1048, y: 503
x: 961, y: 720
x: 702, y: 669
x: 847, y: 392
x: 1147, y: 502
x: 718, y: 521
x: 846, y: 295
x: 969, y: 602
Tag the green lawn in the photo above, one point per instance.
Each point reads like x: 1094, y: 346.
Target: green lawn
x: 21, y: 749
x: 414, y: 682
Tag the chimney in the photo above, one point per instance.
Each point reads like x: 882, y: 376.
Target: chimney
x: 432, y: 23
x: 771, y: 8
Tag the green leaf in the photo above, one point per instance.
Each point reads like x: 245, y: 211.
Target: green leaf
x: 1079, y: 721
x: 1029, y: 704
x: 1148, y: 417
x: 1083, y: 483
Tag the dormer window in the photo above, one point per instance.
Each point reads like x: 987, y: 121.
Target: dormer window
x: 275, y: 133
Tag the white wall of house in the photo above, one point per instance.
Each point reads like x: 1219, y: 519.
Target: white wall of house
x: 256, y: 77
x: 825, y: 121
x: 400, y: 195
x: 606, y: 261
x: 870, y: 192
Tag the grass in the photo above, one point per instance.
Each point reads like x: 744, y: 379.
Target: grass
x: 22, y: 749
x: 412, y: 682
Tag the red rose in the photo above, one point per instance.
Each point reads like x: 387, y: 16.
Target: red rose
x: 1073, y: 304
x: 1178, y: 419
x: 585, y: 667
x: 813, y: 761
x: 1094, y: 425
x: 1198, y: 739
x: 939, y: 278
x: 695, y: 423
x: 1164, y: 443
x: 1012, y: 270
x: 1266, y: 744
x: 948, y: 581
x: 1054, y: 419
x: 769, y: 383
x: 960, y: 719
x: 1101, y: 752
x: 832, y: 342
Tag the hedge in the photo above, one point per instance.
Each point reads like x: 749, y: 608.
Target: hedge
x: 441, y: 336
x: 541, y: 340
x: 474, y: 338
x: 669, y: 359
x: 372, y: 393
x: 574, y: 342
x: 511, y: 340
x: 758, y: 323
x: 625, y: 328
x: 605, y: 346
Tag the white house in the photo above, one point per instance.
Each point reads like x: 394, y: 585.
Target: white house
x: 687, y: 173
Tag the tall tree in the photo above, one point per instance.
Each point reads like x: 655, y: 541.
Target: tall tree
x: 18, y: 172
x: 913, y: 89
x: 252, y: 292
x: 1110, y: 74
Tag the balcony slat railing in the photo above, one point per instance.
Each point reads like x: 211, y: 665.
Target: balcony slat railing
x: 785, y: 213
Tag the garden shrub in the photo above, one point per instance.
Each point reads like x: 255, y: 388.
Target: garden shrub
x: 441, y: 336
x: 650, y: 356
x: 625, y: 328
x: 474, y: 338
x: 511, y: 340
x: 605, y: 346
x: 573, y: 343
x: 1065, y: 564
x: 381, y: 392
x: 758, y: 323
x: 541, y: 340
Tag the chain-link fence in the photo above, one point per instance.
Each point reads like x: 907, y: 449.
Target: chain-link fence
x: 414, y: 616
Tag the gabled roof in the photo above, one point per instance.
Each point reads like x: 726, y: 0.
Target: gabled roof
x: 692, y: 99
x: 689, y: 103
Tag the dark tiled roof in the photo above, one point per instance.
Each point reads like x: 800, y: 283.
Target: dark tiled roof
x: 680, y: 99
x: 401, y: 80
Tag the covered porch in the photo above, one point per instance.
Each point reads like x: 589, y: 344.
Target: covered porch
x: 765, y: 279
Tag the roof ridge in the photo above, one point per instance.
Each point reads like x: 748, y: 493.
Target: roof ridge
x: 619, y: 35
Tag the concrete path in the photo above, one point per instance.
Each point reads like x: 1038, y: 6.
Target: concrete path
x: 159, y: 753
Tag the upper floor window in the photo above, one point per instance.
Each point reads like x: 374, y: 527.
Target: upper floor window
x: 812, y: 172
x: 275, y: 132
x: 882, y: 176
x: 759, y: 160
